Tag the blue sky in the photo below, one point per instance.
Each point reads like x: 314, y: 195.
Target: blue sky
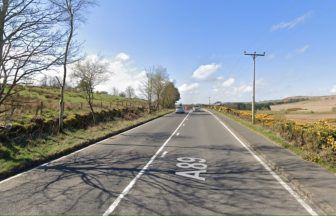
x: 201, y: 43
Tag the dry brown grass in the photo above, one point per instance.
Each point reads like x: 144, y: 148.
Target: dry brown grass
x: 307, y: 118
x: 314, y: 104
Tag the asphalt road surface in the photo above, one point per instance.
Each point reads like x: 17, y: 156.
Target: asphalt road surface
x: 180, y: 164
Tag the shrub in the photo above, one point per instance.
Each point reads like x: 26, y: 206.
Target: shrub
x: 317, y: 139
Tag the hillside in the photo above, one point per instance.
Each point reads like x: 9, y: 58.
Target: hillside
x: 310, y: 104
x: 43, y: 101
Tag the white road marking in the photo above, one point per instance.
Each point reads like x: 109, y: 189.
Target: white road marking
x: 178, y: 134
x: 197, y: 164
x: 132, y: 183
x: 164, y: 154
x: 183, y: 125
x: 263, y: 163
x: 75, y: 152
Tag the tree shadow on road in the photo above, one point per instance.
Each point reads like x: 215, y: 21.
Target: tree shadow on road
x: 88, y: 183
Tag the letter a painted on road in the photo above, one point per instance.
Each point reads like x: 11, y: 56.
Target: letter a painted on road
x: 192, y: 174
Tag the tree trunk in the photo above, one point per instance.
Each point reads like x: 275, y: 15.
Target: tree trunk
x: 66, y: 55
x: 90, y: 102
x: 3, y: 13
x: 92, y: 113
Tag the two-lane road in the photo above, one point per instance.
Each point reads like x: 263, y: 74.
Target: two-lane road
x: 178, y: 164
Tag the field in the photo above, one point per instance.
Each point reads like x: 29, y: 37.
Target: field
x: 311, y: 110
x: 44, y: 101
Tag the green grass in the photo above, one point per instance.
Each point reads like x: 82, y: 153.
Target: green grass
x: 30, y: 99
x: 23, y: 153
x: 279, y: 140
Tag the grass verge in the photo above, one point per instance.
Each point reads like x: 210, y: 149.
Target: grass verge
x: 20, y: 157
x: 272, y: 136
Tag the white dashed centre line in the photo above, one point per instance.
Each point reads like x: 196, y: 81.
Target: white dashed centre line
x: 164, y: 154
x: 127, y: 189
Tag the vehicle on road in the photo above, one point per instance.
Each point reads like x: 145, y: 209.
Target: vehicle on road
x: 179, y: 110
x: 197, y: 108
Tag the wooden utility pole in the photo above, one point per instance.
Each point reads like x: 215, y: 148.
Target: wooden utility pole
x: 254, y: 56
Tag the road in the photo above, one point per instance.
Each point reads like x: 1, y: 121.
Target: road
x: 182, y: 164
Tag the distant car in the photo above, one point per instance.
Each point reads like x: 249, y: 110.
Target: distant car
x: 179, y: 109
x: 197, y: 108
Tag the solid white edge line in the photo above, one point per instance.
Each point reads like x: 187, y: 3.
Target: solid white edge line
x: 131, y: 184
x: 68, y: 155
x: 264, y: 164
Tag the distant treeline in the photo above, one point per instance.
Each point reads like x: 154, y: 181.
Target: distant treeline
x: 266, y: 105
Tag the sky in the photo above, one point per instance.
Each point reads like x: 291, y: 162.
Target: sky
x: 202, y: 44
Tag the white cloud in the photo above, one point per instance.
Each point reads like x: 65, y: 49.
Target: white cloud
x: 243, y: 89
x: 122, y: 57
x: 298, y: 51
x: 123, y: 74
x: 205, y: 71
x: 188, y: 87
x: 229, y: 82
x: 291, y: 24
x: 303, y: 49
x: 333, y: 90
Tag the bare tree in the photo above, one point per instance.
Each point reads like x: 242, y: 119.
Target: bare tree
x: 70, y: 15
x: 115, y: 92
x: 44, y: 81
x: 54, y: 82
x: 28, y: 42
x: 89, y: 73
x: 130, y: 93
x: 146, y: 87
x: 160, y: 78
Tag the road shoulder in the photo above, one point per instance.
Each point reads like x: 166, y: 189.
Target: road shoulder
x: 310, y: 180
x: 73, y: 141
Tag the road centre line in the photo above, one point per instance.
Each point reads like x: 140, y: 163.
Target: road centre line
x: 132, y: 183
x: 164, y: 154
x: 308, y: 208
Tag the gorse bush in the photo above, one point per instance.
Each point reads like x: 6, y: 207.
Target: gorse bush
x: 317, y: 140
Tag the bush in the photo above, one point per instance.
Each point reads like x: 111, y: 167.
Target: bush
x: 317, y: 139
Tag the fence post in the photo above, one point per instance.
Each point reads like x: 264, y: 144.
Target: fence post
x: 37, y: 110
x: 41, y: 108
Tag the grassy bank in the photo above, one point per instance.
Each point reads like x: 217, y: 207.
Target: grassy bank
x: 302, y: 151
x: 31, y: 101
x: 17, y: 157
